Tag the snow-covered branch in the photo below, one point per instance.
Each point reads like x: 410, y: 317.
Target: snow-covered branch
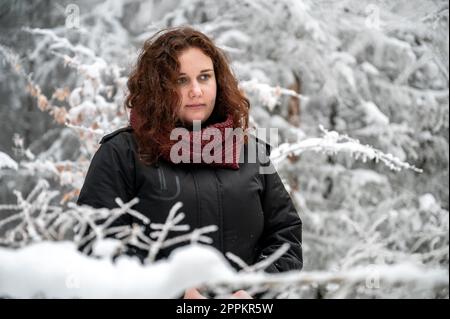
x: 267, y: 94
x: 93, y: 229
x: 58, y: 270
x: 332, y: 143
x: 7, y: 162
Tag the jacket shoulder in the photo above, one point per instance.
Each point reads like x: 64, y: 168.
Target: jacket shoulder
x: 118, y: 132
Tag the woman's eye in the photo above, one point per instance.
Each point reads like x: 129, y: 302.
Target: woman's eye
x: 202, y: 77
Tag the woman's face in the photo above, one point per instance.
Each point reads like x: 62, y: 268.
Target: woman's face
x: 197, y: 86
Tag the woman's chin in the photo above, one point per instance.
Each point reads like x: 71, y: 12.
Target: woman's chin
x: 191, y: 120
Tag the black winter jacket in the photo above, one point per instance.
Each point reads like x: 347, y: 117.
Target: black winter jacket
x: 253, y: 211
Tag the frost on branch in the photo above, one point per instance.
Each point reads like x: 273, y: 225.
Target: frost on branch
x: 35, y: 219
x: 268, y: 95
x: 7, y: 162
x: 332, y: 143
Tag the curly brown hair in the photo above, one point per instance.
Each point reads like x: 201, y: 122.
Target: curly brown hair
x: 153, y: 95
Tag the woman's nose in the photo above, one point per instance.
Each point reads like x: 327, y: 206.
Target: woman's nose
x: 195, y: 89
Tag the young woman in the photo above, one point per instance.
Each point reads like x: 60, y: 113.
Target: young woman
x: 182, y: 79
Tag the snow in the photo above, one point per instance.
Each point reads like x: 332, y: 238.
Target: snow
x: 58, y: 270
x: 87, y: 110
x: 427, y: 202
x: 364, y: 176
x: 374, y: 115
x: 7, y: 162
x: 234, y: 36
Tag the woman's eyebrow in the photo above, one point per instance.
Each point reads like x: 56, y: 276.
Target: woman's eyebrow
x: 202, y: 71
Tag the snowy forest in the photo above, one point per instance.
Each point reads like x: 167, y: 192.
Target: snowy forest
x: 357, y: 90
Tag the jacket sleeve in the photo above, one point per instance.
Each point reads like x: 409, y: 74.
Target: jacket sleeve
x: 282, y: 224
x: 110, y: 175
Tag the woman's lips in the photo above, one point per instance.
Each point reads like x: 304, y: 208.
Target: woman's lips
x: 195, y: 105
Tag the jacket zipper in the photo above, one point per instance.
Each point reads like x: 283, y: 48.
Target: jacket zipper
x: 220, y: 209
x: 196, y: 197
x: 162, y: 179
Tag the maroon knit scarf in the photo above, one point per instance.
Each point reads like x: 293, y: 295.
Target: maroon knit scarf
x: 229, y: 146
